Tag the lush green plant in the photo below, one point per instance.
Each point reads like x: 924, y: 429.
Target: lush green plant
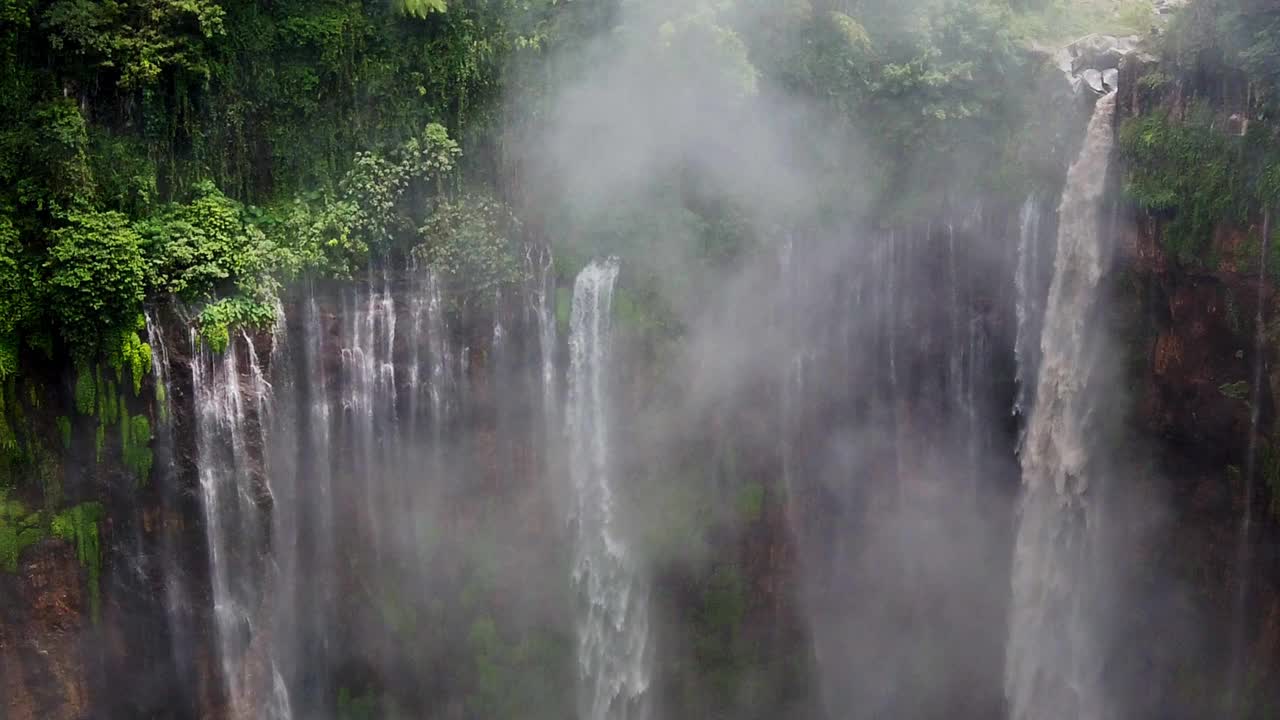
x: 751, y: 499
x: 135, y: 446
x: 131, y: 353
x: 421, y: 8
x: 64, y: 431
x: 139, y: 39
x: 79, y: 526
x: 471, y: 242
x: 201, y: 247
x: 19, y: 530
x: 86, y: 389
x: 1195, y: 177
x: 358, y: 707
x: 17, y: 305
x: 1235, y: 391
x: 1220, y: 35
x: 96, y: 281
x: 219, y: 318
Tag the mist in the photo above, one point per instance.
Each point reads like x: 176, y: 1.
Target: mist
x: 698, y: 359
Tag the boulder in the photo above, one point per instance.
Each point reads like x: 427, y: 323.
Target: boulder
x: 1099, y: 52
x: 1111, y: 79
x: 1093, y: 79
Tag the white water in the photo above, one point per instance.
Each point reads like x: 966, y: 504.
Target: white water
x: 613, y: 623
x: 1053, y: 665
x: 177, y: 601
x: 1030, y: 302
x: 543, y: 299
x: 231, y: 406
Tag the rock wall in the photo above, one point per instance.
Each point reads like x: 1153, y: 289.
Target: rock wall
x: 1204, y: 613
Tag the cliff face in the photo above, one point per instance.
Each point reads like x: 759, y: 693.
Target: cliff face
x: 837, y: 532
x: 44, y: 673
x: 1200, y: 342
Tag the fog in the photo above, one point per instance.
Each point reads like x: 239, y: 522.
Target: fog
x: 747, y: 448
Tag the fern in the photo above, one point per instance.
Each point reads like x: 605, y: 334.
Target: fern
x: 420, y: 8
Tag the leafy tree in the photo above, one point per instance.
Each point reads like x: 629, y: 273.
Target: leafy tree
x: 200, y: 247
x: 17, y: 300
x: 96, y: 278
x: 138, y: 39
x: 472, y: 242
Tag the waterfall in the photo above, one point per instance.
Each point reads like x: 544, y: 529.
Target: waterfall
x: 177, y: 599
x: 1029, y: 306
x: 1053, y: 664
x: 369, y: 396
x: 232, y: 406
x: 613, y: 624
x: 544, y: 309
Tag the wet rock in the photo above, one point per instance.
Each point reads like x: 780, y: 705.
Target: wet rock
x: 42, y: 618
x: 1094, y: 61
x: 1093, y: 79
x: 1100, y: 52
x: 1111, y: 79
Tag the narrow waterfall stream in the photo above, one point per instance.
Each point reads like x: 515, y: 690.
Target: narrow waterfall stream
x: 1029, y: 286
x: 613, y: 622
x: 1053, y: 665
x: 233, y: 407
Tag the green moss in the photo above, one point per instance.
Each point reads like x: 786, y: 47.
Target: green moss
x: 135, y: 449
x: 99, y: 441
x: 162, y: 403
x: 1235, y: 391
x: 751, y: 501
x: 49, y: 473
x: 132, y: 354
x: 218, y: 319
x: 110, y: 404
x: 358, y: 707
x: 718, y: 638
x: 64, y: 431
x: 19, y: 530
x: 1195, y: 178
x: 79, y: 525
x: 564, y: 308
x: 639, y: 312
x: 86, y: 390
x: 8, y: 439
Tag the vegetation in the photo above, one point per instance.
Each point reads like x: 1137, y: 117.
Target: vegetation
x: 135, y: 446
x: 79, y: 525
x: 1195, y: 177
x: 1219, y: 37
x: 1235, y: 391
x: 1061, y: 21
x: 215, y: 151
x: 19, y: 530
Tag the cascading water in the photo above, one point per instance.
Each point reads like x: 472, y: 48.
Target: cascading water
x: 543, y: 298
x: 232, y: 406
x: 315, y: 478
x: 177, y: 600
x: 1053, y: 663
x: 613, y: 624
x: 1030, y: 302
x: 358, y: 473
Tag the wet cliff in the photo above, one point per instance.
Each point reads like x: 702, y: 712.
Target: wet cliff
x: 1195, y: 309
